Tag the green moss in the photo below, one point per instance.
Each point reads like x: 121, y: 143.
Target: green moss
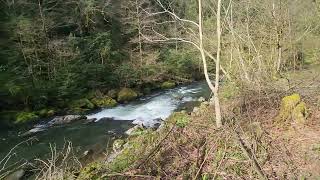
x: 25, y: 117
x: 91, y: 171
x: 93, y: 94
x: 105, y: 101
x: 168, y: 85
x: 229, y: 90
x: 118, y: 144
x: 299, y: 113
x: 51, y: 112
x: 132, y: 152
x: 126, y: 94
x: 46, y: 113
x: 288, y: 103
x: 81, y: 104
x: 182, y: 119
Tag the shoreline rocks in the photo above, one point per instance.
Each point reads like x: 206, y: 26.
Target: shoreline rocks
x: 59, y: 120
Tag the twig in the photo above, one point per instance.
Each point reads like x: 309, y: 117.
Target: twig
x: 204, y: 161
x: 156, y: 148
x: 251, y: 156
x: 224, y: 154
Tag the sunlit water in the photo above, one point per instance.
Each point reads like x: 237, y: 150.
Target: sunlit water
x: 100, y: 134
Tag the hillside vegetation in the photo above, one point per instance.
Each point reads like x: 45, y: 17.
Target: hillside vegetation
x: 260, y: 59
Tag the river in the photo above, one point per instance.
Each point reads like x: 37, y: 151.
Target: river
x: 100, y: 134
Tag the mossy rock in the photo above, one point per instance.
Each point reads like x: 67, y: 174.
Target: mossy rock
x: 288, y: 103
x: 24, y: 117
x: 105, y: 101
x: 126, y: 94
x: 82, y: 104
x: 46, y: 113
x: 292, y: 108
x: 93, y: 94
x: 299, y: 113
x: 91, y: 171
x: 168, y: 85
x: 113, y: 93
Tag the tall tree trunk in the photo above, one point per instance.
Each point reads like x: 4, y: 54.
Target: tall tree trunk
x: 205, y: 68
x: 216, y: 92
x: 139, y: 32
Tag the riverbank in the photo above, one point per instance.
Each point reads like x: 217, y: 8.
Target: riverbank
x: 91, y: 139
x: 267, y: 135
x: 90, y: 101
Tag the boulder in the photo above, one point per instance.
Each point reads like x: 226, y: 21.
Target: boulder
x: 113, y: 93
x: 59, y: 120
x: 46, y: 113
x: 81, y: 104
x: 104, y: 101
x: 126, y: 94
x: 168, y: 85
x: 153, y: 123
x: 33, y: 131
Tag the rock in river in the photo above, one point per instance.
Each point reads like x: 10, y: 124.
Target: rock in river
x: 59, y: 120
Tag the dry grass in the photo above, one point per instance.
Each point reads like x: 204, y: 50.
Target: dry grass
x: 61, y: 164
x: 249, y: 141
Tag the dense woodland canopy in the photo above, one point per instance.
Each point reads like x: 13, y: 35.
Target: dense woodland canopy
x: 55, y: 51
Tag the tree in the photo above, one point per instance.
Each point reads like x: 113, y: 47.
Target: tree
x: 153, y: 35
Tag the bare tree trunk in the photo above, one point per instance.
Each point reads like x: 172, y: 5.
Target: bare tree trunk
x: 216, y: 92
x: 139, y: 32
x: 205, y: 68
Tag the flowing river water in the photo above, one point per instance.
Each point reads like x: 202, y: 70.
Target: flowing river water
x: 110, y: 124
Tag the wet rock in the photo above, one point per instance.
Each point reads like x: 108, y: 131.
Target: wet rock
x: 33, y: 131
x: 201, y: 99
x: 111, y: 132
x: 155, y: 123
x: 59, y: 120
x: 89, y: 121
x: 17, y: 175
x: 106, y: 119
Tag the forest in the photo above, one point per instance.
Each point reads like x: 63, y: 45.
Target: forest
x: 233, y: 86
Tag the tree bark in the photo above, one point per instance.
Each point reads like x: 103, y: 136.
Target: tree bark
x: 215, y: 88
x: 216, y: 92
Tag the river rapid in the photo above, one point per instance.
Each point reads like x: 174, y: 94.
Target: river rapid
x: 109, y: 124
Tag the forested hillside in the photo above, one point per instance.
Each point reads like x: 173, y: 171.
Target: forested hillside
x: 72, y: 64
x: 53, y: 52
